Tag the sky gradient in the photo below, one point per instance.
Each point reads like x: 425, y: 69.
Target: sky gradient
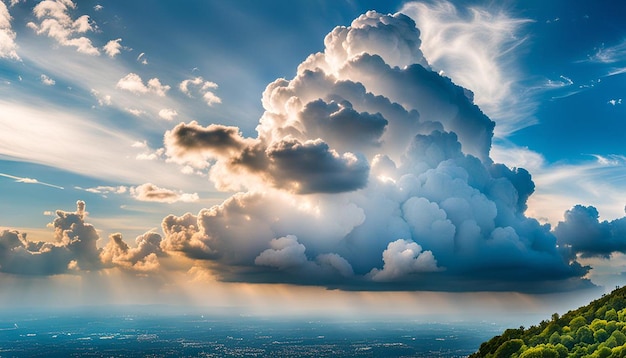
x: 319, y: 153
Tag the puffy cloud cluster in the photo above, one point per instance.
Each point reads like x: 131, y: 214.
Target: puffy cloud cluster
x: 583, y: 233
x: 74, y: 249
x: 394, y: 160
x: 8, y: 46
x: 56, y: 22
x: 132, y: 82
x: 202, y: 88
x: 143, y: 257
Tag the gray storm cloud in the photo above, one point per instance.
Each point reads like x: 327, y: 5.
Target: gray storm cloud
x: 369, y: 171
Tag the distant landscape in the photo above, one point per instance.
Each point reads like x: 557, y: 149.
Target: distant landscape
x: 133, y: 335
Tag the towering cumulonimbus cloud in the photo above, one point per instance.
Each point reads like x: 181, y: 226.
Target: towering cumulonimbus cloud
x: 369, y: 171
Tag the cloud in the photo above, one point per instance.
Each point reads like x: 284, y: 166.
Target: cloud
x: 151, y: 192
x: 142, y: 59
x: 614, y: 102
x: 104, y: 190
x: 74, y: 247
x: 583, y: 233
x: 479, y: 54
x: 103, y: 100
x: 371, y: 161
x: 303, y: 167
x: 369, y: 171
x: 198, y: 86
x: 47, y: 80
x: 8, y: 47
x: 610, y: 54
x: 56, y: 23
x: 144, y: 257
x: 113, y: 48
x: 168, y: 114
x: 402, y: 258
x: 133, y: 83
x: 29, y: 181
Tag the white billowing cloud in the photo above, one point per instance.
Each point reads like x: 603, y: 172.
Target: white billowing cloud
x: 284, y: 252
x: 8, y: 47
x: 287, y: 254
x: 369, y: 171
x: 113, y: 47
x: 151, y: 192
x: 198, y: 86
x: 144, y: 257
x: 47, y: 80
x: 614, y: 102
x: 402, y: 258
x: 133, y: 83
x: 367, y: 155
x: 478, y: 54
x: 168, y: 114
x: 73, y: 249
x: 98, y: 7
x: 56, y: 23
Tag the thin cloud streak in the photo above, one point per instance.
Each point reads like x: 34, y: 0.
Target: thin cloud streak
x: 29, y: 181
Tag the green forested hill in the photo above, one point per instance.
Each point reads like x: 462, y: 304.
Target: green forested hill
x: 596, y: 330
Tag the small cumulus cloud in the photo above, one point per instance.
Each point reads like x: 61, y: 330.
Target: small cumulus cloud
x: 55, y: 22
x: 198, y: 86
x: 615, y: 101
x: 47, y: 80
x: 8, y: 47
x: 151, y: 192
x: 402, y: 258
x: 168, y: 114
x: 98, y: 7
x: 133, y: 83
x: 113, y: 48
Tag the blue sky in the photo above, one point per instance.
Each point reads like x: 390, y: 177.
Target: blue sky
x: 231, y: 145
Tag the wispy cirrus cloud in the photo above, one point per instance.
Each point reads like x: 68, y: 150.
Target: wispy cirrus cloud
x: 479, y: 54
x: 29, y: 181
